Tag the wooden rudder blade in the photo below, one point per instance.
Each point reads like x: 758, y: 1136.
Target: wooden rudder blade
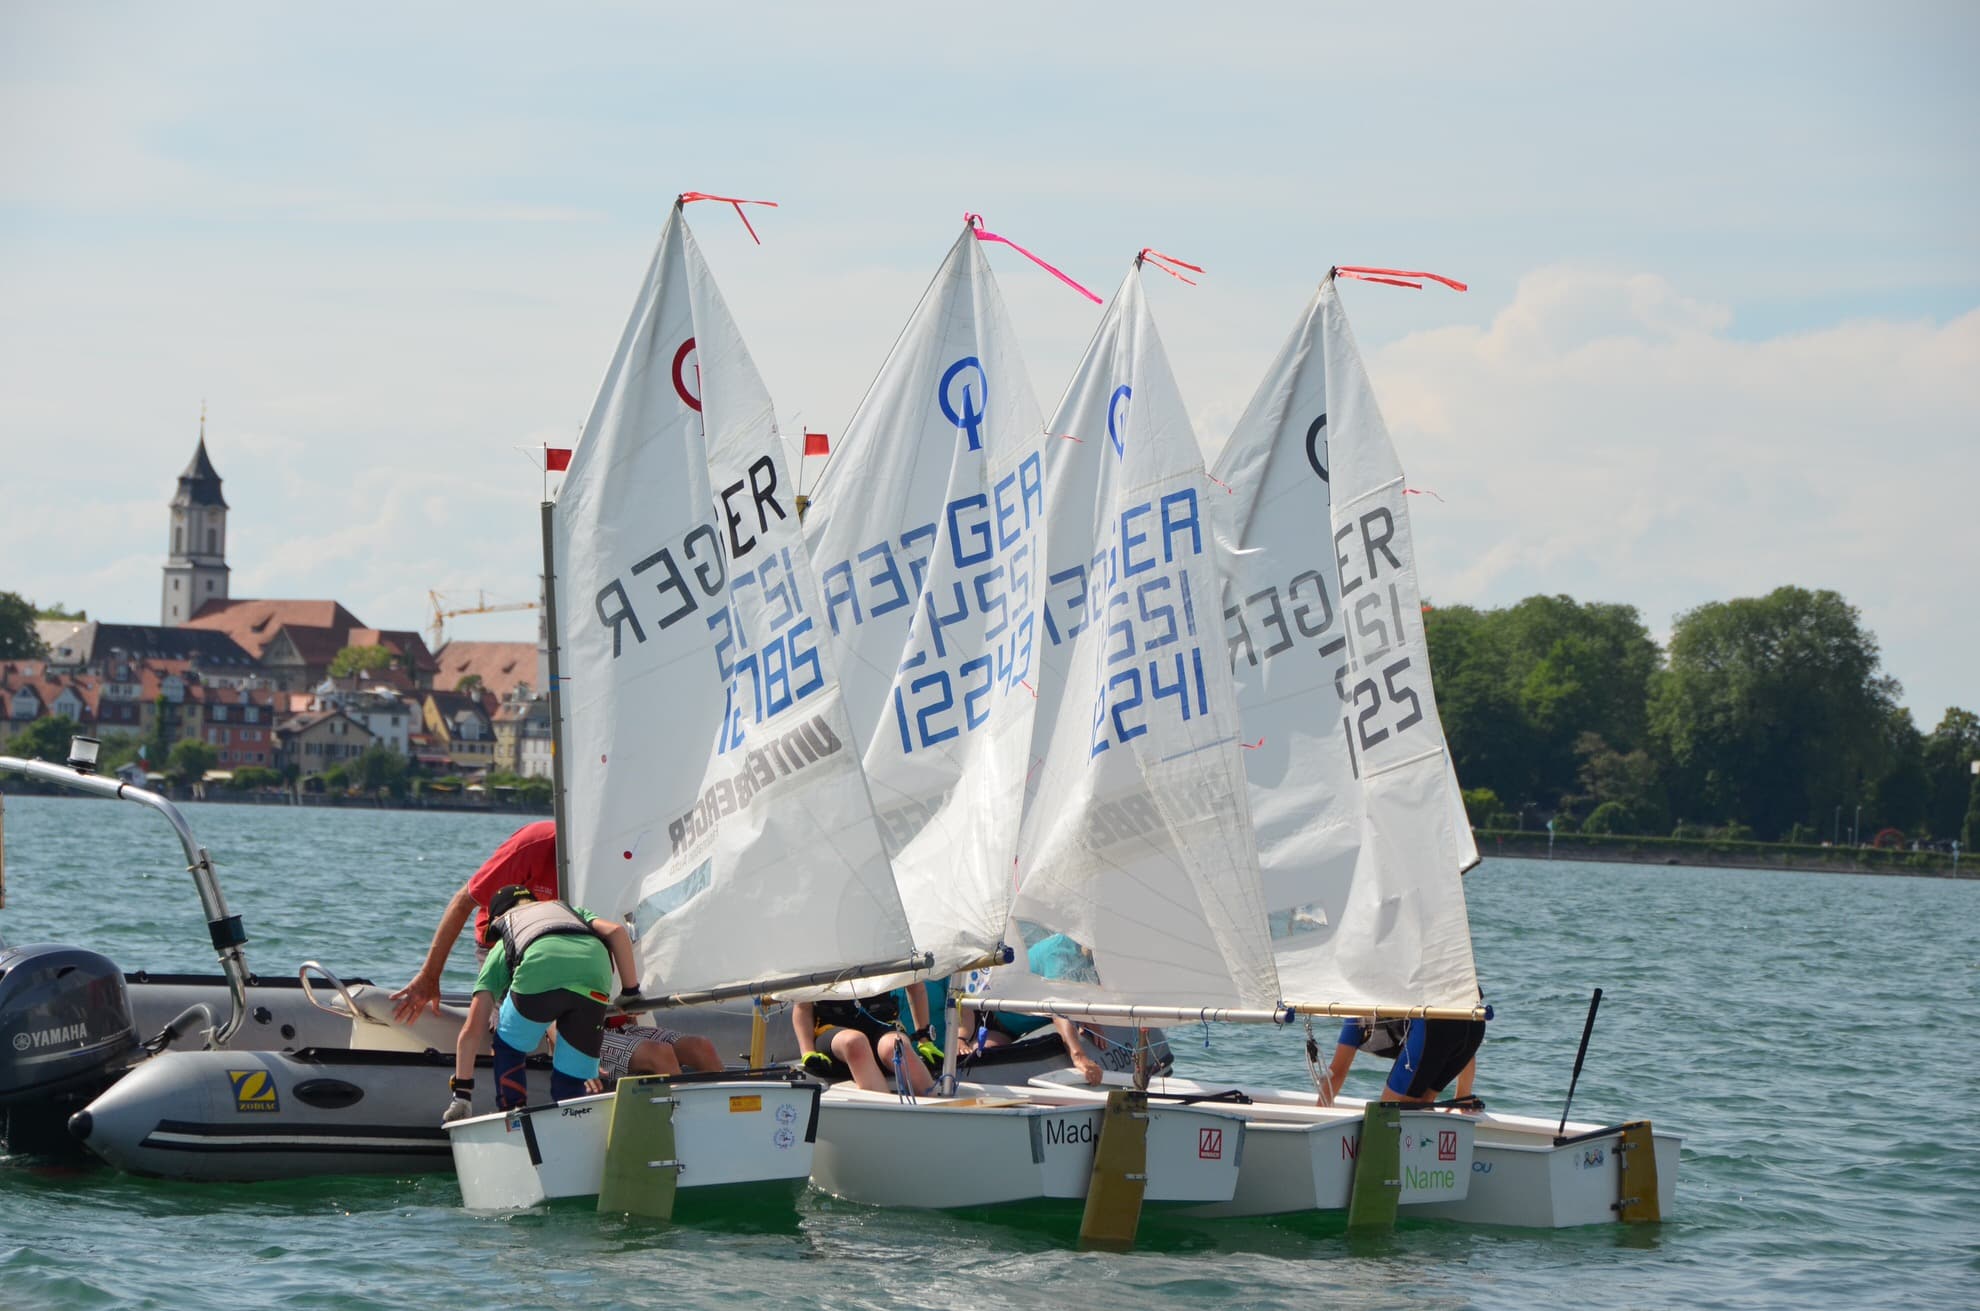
x: 1120, y: 1175
x: 1377, y: 1168
x: 642, y: 1171
x: 1638, y: 1202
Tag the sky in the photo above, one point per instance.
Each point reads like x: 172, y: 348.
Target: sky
x: 1722, y: 332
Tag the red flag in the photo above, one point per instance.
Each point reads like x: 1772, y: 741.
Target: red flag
x: 556, y: 459
x: 817, y: 443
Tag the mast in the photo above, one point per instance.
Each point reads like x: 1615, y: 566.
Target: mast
x: 556, y: 704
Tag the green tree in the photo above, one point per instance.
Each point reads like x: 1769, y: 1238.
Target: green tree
x: 1629, y: 780
x: 470, y: 685
x: 119, y: 749
x: 18, y: 638
x: 1610, y: 817
x: 1772, y: 709
x: 158, y: 742
x: 1947, y: 756
x: 44, y: 739
x: 1480, y: 804
x: 362, y: 660
x: 381, y: 770
x: 59, y: 611
x: 251, y: 777
x: 1970, y: 838
x: 190, y: 759
x: 1899, y: 795
x: 1517, y: 688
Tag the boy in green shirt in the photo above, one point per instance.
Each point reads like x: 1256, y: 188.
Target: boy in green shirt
x: 550, y: 964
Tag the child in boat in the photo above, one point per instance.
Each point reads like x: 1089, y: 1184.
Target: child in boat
x: 1055, y: 957
x: 863, y: 1035
x: 1428, y: 1055
x: 549, y: 964
x: 529, y: 858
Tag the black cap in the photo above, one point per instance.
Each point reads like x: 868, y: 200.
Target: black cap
x: 505, y: 900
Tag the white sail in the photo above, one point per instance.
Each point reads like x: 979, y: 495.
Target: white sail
x: 927, y: 531
x: 1360, y: 827
x: 715, y: 798
x: 1137, y: 837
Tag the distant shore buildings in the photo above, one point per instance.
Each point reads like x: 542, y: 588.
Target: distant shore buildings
x: 253, y: 678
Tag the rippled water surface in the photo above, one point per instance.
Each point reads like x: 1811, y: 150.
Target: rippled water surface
x: 1812, y: 1036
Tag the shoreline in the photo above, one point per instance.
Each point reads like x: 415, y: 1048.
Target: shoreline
x: 316, y: 801
x: 1714, y: 854
x: 1492, y: 843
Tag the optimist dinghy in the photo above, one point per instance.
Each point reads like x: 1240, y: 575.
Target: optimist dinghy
x: 1361, y: 832
x: 929, y: 531
x: 711, y: 802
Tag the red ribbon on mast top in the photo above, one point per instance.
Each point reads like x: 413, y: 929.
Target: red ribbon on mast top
x: 689, y: 197
x: 1395, y: 277
x: 975, y: 222
x: 1162, y: 262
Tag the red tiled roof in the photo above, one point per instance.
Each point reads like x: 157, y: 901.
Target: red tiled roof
x: 500, y: 665
x: 253, y: 624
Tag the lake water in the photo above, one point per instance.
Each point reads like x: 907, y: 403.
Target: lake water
x: 1811, y: 1035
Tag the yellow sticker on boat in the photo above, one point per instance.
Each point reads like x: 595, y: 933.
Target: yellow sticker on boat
x: 753, y: 1102
x: 253, y: 1090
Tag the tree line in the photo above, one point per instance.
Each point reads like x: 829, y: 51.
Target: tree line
x: 1766, y: 718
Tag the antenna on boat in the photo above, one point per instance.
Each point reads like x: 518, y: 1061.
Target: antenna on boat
x: 1587, y: 1028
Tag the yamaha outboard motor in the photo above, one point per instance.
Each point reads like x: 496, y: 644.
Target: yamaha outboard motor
x: 66, y: 1034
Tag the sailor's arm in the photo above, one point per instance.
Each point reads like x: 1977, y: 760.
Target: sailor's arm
x: 619, y: 943
x: 802, y: 1025
x: 424, y: 990
x: 917, y: 995
x: 1089, y: 1069
x: 1344, y: 1055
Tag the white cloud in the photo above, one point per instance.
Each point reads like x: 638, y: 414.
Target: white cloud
x: 1603, y: 436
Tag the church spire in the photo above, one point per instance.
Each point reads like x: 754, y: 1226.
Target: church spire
x: 200, y: 483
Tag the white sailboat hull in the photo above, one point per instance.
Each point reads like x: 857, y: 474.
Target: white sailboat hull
x: 1301, y: 1157
x: 998, y: 1146
x: 730, y: 1136
x: 1519, y: 1177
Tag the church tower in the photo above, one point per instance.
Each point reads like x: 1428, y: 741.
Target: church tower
x: 196, y: 570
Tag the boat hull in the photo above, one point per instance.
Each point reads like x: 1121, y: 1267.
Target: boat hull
x: 244, y: 1116
x: 735, y: 1139
x: 1301, y: 1157
x: 995, y: 1146
x: 1520, y: 1177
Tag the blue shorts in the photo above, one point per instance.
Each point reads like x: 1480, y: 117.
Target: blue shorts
x: 580, y: 1024
x: 1434, y: 1053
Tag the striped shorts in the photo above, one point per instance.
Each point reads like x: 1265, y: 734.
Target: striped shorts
x: 616, y: 1048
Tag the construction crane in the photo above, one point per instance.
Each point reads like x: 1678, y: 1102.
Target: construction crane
x: 436, y: 631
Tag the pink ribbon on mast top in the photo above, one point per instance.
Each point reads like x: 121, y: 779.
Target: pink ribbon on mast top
x: 975, y: 222
x: 1395, y: 277
x: 689, y: 197
x: 1162, y: 262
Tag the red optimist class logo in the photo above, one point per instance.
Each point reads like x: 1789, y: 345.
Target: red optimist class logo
x: 1447, y: 1144
x: 1210, y: 1144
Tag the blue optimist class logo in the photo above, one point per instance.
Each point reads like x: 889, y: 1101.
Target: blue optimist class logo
x: 970, y: 414
x: 1117, y: 417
